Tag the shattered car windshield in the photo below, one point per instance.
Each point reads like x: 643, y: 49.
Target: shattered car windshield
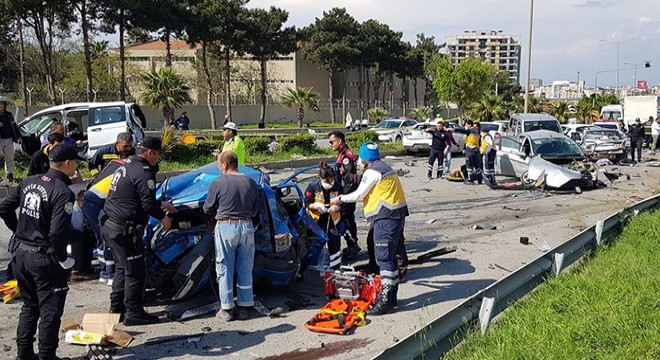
x: 556, y: 147
x: 542, y: 125
x: 388, y: 125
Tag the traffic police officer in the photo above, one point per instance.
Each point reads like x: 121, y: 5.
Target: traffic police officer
x: 130, y: 202
x: 40, y: 261
x: 233, y: 142
x: 386, y: 208
x: 349, y: 182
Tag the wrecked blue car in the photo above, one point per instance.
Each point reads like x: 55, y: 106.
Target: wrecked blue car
x: 180, y: 261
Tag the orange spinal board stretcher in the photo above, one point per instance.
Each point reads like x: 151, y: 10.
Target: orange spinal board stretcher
x: 9, y: 291
x: 351, y: 293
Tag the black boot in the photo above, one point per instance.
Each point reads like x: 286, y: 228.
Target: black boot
x: 385, y: 302
x: 25, y: 352
x: 139, y: 317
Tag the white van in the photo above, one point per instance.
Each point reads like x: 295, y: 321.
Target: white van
x: 101, y: 122
x: 522, y: 123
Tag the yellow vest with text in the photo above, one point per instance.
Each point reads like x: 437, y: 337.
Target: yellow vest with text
x: 386, y: 199
x: 236, y: 145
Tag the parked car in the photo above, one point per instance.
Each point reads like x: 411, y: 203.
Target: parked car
x: 417, y: 140
x: 494, y: 128
x: 612, y: 125
x: 392, y: 130
x: 574, y: 131
x: 100, y: 122
x: 287, y: 240
x: 601, y: 143
x: 521, y: 123
x: 548, y: 154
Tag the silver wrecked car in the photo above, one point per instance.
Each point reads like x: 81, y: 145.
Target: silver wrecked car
x: 546, y: 157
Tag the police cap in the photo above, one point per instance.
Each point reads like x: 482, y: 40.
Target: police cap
x: 151, y: 143
x: 64, y: 152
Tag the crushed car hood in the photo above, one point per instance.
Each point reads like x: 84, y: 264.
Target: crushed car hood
x: 190, y: 189
x: 558, y: 176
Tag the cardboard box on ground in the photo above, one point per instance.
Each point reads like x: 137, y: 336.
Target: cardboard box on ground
x: 95, y: 329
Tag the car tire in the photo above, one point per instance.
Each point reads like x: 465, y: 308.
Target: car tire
x: 525, y: 179
x: 398, y: 139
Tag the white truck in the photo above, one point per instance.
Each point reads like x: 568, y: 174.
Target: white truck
x: 633, y: 107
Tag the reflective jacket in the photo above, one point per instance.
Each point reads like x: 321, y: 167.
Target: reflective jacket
x: 386, y: 199
x: 236, y: 145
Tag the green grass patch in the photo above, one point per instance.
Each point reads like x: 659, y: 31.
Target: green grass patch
x: 605, y: 307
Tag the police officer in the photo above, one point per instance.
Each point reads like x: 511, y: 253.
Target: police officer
x: 121, y: 149
x: 130, y: 202
x: 233, y: 142
x: 349, y: 181
x: 440, y: 145
x: 637, y: 134
x: 386, y: 208
x: 40, y: 261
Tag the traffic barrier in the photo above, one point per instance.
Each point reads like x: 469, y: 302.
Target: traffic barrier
x: 446, y: 331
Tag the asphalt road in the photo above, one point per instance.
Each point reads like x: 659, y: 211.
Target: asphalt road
x: 433, y: 288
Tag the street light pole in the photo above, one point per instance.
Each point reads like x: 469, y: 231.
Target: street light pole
x: 529, y: 55
x: 618, y: 45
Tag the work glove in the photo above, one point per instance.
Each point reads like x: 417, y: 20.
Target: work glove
x: 319, y: 207
x: 333, y: 209
x: 68, y: 263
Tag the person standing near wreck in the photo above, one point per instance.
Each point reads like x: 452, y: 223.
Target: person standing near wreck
x: 637, y: 135
x: 440, y: 145
x: 386, y: 208
x: 349, y: 181
x: 40, y: 261
x: 233, y: 199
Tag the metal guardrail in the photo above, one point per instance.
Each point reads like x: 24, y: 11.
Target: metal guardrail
x: 264, y: 132
x: 442, y: 334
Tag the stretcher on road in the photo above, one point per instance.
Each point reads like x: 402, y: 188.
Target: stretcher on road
x: 351, y: 293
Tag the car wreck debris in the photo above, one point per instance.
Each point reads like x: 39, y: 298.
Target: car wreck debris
x: 547, y: 174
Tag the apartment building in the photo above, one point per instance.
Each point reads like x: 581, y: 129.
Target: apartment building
x: 499, y: 49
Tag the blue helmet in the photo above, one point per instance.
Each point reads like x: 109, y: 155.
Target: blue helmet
x: 369, y: 152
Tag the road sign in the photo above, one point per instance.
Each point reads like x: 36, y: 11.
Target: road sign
x: 642, y: 84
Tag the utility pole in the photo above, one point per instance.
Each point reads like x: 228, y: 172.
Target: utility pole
x: 529, y: 55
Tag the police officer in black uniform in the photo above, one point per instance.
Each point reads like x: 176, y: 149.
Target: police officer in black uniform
x: 40, y: 261
x: 130, y: 202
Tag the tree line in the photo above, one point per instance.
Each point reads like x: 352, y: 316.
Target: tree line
x: 43, y: 50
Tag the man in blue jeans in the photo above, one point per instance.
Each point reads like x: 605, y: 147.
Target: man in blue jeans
x: 232, y: 198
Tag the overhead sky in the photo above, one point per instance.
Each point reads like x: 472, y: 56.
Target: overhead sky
x: 565, y: 37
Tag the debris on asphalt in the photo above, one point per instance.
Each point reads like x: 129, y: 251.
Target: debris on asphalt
x: 545, y: 247
x: 513, y: 208
x: 402, y: 172
x: 410, y: 163
x: 485, y: 227
x: 524, y: 240
x: 391, y: 157
x: 604, y: 162
x: 6, y: 348
x: 430, y: 221
x: 653, y: 163
x: 432, y: 253
x: 206, y: 329
x: 635, y: 197
x: 502, y: 267
x: 168, y: 339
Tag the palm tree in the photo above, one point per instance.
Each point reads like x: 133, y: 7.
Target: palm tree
x: 561, y: 111
x: 300, y: 98
x: 490, y: 108
x: 535, y: 105
x: 165, y: 88
x: 377, y: 114
x: 421, y: 113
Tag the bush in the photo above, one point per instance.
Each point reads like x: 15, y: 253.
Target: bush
x: 194, y: 151
x: 305, y: 143
x: 355, y: 139
x: 21, y: 159
x: 257, y: 144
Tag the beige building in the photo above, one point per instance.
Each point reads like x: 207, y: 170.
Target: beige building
x: 501, y: 50
x: 286, y: 71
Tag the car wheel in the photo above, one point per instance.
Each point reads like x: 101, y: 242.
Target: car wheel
x: 398, y: 139
x: 525, y: 179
